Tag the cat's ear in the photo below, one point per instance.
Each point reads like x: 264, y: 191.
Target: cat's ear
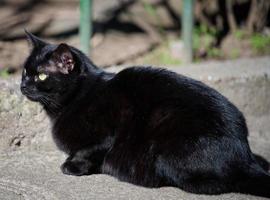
x: 34, y: 41
x: 63, y: 59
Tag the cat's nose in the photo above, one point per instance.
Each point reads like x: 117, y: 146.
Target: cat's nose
x: 23, y: 86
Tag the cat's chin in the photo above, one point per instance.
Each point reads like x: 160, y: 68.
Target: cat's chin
x: 35, y: 98
x: 29, y: 95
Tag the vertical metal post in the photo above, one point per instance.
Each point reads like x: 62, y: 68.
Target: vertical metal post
x: 85, y: 30
x: 187, y: 29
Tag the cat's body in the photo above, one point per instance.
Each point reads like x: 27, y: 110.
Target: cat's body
x: 147, y: 126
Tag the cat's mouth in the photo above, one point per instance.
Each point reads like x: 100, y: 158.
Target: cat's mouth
x: 33, y: 97
x: 30, y: 96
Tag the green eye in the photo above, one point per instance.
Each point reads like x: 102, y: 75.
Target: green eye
x: 42, y: 76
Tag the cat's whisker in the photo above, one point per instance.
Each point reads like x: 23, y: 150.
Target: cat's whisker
x: 50, y: 105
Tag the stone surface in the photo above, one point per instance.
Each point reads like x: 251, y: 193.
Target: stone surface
x: 29, y: 161
x: 23, y: 124
x: 36, y: 175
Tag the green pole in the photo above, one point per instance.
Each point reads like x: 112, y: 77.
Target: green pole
x: 85, y: 30
x: 187, y: 29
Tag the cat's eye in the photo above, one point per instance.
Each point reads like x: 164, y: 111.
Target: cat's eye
x: 24, y: 71
x: 42, y: 76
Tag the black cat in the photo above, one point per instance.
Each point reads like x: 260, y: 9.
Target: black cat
x: 143, y: 125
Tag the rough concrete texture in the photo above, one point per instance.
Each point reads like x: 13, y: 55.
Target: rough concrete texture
x: 23, y: 124
x: 29, y: 161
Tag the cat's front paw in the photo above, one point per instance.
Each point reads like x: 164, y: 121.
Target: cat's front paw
x: 75, y: 168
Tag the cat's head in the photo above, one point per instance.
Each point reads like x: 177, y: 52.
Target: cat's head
x: 50, y: 72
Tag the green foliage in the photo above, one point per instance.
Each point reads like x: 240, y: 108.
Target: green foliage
x: 204, y: 30
x: 161, y: 56
x: 202, y: 41
x: 214, y: 52
x: 167, y: 59
x: 205, y: 38
x: 240, y: 34
x: 235, y: 53
x: 4, y: 73
x: 149, y: 9
x: 260, y: 43
x: 152, y: 11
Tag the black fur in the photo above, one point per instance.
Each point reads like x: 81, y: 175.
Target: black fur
x: 143, y: 125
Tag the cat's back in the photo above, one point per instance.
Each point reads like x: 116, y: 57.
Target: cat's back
x: 158, y: 83
x: 157, y: 92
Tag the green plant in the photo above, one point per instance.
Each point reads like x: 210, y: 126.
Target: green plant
x: 260, y: 43
x: 240, y: 34
x: 166, y: 59
x: 152, y: 11
x: 204, y: 30
x: 149, y: 9
x: 161, y: 56
x: 214, y: 52
x: 235, y: 53
x: 204, y: 38
x: 4, y: 73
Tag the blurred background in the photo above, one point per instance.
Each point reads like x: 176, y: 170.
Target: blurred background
x: 138, y: 31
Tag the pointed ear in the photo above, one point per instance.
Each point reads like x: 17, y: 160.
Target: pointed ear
x: 34, y: 41
x: 63, y: 59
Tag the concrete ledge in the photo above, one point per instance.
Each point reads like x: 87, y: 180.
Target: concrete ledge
x: 23, y: 124
x: 36, y: 175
